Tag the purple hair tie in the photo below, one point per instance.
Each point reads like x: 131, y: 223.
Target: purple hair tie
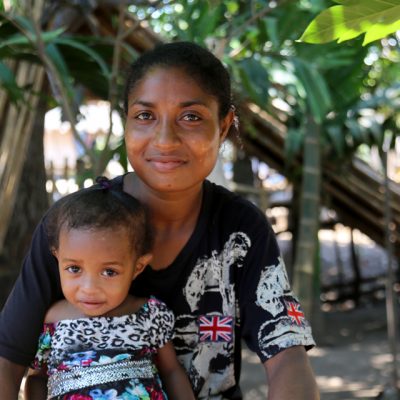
x: 103, y: 182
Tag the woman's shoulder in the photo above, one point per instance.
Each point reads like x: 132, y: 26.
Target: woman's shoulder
x: 231, y: 206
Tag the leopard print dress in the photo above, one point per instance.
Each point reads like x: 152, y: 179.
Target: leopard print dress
x: 96, y: 358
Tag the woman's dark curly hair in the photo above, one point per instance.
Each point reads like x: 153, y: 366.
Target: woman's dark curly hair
x: 100, y: 207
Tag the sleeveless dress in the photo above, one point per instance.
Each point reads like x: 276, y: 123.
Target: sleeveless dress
x: 106, y: 358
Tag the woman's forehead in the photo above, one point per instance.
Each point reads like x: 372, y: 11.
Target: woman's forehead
x: 173, y: 83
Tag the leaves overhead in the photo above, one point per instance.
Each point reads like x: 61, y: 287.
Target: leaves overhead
x: 374, y: 18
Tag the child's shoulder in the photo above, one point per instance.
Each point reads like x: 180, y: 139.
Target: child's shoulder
x: 131, y: 305
x: 60, y: 310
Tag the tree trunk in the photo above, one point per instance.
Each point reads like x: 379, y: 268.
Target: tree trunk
x: 306, y: 245
x: 29, y: 206
x: 15, y: 137
x: 293, y: 223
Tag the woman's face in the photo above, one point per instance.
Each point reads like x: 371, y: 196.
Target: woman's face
x: 173, y: 130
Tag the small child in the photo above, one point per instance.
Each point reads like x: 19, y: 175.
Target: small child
x: 100, y: 342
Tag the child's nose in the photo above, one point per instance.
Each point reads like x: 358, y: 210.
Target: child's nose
x: 89, y: 283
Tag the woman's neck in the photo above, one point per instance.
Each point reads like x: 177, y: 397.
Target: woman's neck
x: 166, y: 208
x: 173, y: 216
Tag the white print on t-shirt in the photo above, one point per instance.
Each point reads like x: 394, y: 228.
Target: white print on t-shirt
x: 212, y: 274
x: 272, y: 286
x: 210, y: 365
x: 199, y: 372
x: 281, y: 333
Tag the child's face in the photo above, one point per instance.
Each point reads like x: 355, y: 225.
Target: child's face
x: 97, y: 267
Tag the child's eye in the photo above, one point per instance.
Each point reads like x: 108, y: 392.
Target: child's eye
x: 109, y: 272
x: 74, y: 269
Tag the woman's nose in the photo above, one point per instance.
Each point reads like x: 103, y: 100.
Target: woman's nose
x: 166, y: 133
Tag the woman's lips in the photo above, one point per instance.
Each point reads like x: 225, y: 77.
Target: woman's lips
x: 166, y: 164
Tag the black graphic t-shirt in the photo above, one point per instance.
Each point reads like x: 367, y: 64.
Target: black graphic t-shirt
x: 228, y: 283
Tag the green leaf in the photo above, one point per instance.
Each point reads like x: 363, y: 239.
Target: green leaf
x: 376, y: 132
x: 271, y: 26
x: 293, y: 144
x: 202, y: 19
x: 209, y: 20
x: 24, y: 24
x: 375, y: 18
x: 91, y: 53
x: 21, y: 39
x: 357, y: 132
x: 255, y: 80
x: 58, y: 60
x: 316, y: 90
x: 7, y: 80
x: 337, y: 138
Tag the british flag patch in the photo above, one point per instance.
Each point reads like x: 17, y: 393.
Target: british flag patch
x: 294, y: 312
x: 214, y: 328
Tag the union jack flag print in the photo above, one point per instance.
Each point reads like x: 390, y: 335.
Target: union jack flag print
x: 294, y: 312
x: 214, y: 328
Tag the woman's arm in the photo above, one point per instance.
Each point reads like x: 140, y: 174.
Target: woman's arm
x: 36, y: 288
x: 35, y: 385
x: 173, y: 376
x: 290, y: 376
x: 11, y: 375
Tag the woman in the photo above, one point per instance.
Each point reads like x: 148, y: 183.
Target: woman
x: 216, y: 261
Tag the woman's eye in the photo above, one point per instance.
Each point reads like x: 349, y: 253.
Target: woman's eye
x: 109, y: 272
x: 74, y: 269
x: 191, y: 117
x: 144, y: 116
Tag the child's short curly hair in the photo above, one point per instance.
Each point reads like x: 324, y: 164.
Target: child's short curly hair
x: 98, y: 207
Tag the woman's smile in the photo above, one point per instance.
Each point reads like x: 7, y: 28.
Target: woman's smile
x: 166, y: 163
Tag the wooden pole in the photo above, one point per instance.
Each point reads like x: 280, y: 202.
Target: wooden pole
x: 393, y: 391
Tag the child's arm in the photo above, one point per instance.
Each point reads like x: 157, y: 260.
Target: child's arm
x: 173, y: 376
x: 35, y: 385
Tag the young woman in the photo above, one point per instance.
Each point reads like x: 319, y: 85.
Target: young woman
x: 100, y: 341
x: 216, y: 261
